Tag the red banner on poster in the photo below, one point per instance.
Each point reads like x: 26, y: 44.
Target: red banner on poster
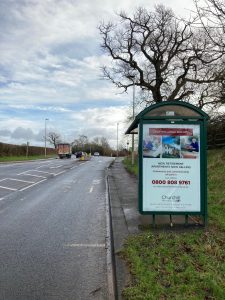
x: 171, y: 131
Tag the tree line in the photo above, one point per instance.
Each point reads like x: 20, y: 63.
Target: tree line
x: 84, y: 144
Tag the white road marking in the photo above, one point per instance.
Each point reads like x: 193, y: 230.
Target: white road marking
x: 73, y: 167
x: 3, y: 179
x: 25, y: 172
x: 22, y: 173
x: 55, y: 167
x: 39, y: 176
x: 59, y: 173
x: 41, y: 172
x: 20, y: 180
x: 86, y: 245
x: 91, y: 189
x: 96, y: 181
x: 1, y: 199
x: 27, y: 187
x: 44, y: 165
x: 7, y: 188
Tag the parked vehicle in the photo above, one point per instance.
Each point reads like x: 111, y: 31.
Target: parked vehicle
x: 96, y: 154
x: 64, y: 150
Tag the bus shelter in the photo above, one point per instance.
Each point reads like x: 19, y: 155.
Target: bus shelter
x: 172, y: 154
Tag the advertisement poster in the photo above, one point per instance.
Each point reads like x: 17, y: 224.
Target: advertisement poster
x: 171, y: 168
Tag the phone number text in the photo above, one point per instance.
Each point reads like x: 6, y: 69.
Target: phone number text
x: 172, y: 182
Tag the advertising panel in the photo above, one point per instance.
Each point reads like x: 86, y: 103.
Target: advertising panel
x: 171, y: 168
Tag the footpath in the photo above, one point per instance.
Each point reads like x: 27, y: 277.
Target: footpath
x: 126, y: 220
x: 123, y: 195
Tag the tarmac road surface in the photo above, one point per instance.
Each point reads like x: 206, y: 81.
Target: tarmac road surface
x: 53, y: 230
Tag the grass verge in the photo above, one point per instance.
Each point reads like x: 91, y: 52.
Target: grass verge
x: 24, y: 158
x: 182, y: 265
x: 128, y: 165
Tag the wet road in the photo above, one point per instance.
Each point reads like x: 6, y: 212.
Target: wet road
x: 53, y: 230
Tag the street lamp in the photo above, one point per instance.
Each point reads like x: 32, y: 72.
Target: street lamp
x: 132, y: 77
x: 45, y: 135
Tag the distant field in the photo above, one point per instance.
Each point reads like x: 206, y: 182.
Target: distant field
x: 182, y: 265
x: 24, y: 158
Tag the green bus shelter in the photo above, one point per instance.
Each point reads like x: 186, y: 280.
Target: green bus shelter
x: 172, y: 159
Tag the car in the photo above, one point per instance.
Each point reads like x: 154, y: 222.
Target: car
x: 96, y: 154
x: 79, y: 154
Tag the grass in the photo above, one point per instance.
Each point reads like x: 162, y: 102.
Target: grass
x: 182, y: 265
x: 216, y: 187
x: 128, y: 165
x: 23, y: 158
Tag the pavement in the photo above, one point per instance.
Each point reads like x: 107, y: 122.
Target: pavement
x: 125, y: 216
x: 126, y: 220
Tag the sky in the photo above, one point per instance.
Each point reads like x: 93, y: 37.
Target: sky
x: 50, y: 59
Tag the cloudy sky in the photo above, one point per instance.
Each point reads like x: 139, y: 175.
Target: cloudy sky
x: 50, y: 61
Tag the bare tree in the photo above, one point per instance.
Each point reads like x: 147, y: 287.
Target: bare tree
x: 80, y: 142
x: 165, y: 57
x: 211, y: 14
x: 54, y: 138
x: 211, y: 17
x: 105, y: 146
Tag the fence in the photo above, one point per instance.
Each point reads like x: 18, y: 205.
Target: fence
x: 216, y: 141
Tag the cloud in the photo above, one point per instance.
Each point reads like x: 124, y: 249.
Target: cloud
x: 20, y: 132
x: 21, y: 135
x: 50, y: 68
x: 5, y: 132
x: 41, y: 108
x: 92, y: 122
x: 98, y: 122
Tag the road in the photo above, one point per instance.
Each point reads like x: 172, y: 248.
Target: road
x: 53, y: 230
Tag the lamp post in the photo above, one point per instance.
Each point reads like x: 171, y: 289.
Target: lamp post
x: 45, y: 136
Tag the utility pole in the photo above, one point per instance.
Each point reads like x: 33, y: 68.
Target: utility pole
x: 132, y: 78
x: 27, y: 150
x: 45, y: 136
x: 117, y: 153
x: 132, y: 155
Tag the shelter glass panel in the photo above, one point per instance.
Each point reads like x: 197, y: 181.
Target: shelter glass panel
x: 172, y: 110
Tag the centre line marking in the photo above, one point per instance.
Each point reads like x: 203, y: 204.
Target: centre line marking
x: 59, y: 173
x: 55, y: 167
x: 96, y: 181
x: 73, y: 167
x: 91, y: 189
